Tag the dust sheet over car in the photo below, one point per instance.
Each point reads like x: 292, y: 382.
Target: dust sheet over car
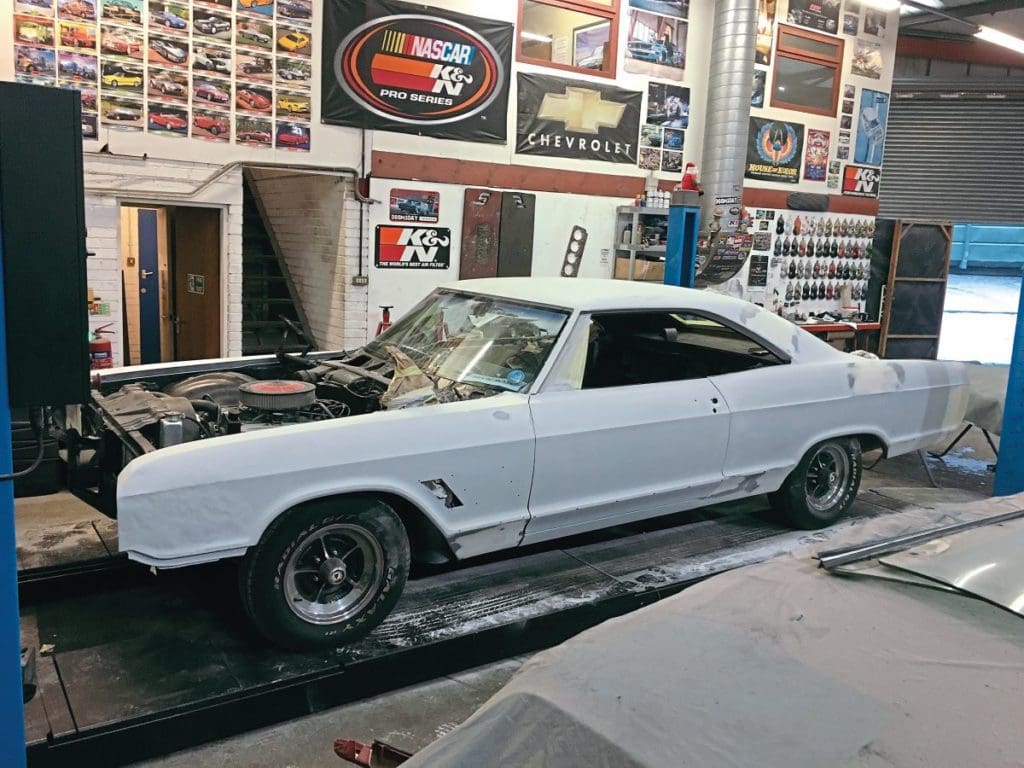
x: 778, y: 664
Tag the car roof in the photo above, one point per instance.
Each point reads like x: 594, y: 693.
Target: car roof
x: 604, y: 295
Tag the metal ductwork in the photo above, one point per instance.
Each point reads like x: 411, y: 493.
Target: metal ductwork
x: 727, y: 114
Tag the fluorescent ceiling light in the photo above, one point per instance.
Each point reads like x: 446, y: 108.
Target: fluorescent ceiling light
x: 996, y: 37
x: 535, y: 37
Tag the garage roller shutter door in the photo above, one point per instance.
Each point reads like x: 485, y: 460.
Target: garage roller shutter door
x: 957, y: 160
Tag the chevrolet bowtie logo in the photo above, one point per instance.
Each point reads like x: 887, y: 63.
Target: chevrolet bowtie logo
x: 582, y: 110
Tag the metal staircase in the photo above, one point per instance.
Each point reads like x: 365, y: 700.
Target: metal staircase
x: 268, y: 293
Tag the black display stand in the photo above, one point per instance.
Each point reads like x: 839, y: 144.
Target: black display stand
x: 916, y: 290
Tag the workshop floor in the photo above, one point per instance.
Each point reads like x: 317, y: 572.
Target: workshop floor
x: 52, y: 527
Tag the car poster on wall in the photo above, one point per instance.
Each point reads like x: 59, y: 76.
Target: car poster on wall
x: 400, y: 247
x: 414, y: 205
x: 816, y: 155
x: 871, y: 123
x: 656, y: 38
x: 822, y: 15
x: 399, y: 67
x: 774, y: 150
x: 663, y: 131
x: 765, y: 32
x: 578, y: 119
x: 867, y: 59
x: 215, y: 70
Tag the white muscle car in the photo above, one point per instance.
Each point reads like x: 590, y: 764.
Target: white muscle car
x: 496, y: 413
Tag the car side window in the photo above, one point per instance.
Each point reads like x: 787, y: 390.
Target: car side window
x: 627, y: 348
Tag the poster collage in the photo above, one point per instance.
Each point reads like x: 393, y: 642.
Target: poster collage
x: 780, y: 150
x: 656, y: 47
x: 218, y: 70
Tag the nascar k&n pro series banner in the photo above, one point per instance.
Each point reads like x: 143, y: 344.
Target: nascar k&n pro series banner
x: 400, y: 67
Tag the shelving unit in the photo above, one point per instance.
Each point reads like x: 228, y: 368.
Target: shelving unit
x: 640, y: 260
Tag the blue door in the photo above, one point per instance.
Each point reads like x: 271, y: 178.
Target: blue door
x: 149, y: 288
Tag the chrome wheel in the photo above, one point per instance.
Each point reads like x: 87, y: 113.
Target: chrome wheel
x: 827, y: 477
x: 333, y: 573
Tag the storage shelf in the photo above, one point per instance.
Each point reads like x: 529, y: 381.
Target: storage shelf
x: 642, y: 248
x: 642, y: 210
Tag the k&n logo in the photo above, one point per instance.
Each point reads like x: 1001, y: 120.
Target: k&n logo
x: 859, y: 181
x: 424, y: 247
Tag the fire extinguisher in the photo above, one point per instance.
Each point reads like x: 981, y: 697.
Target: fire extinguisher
x: 100, y: 349
x: 385, y: 319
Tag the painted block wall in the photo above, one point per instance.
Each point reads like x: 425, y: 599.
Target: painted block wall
x: 111, y: 180
x: 555, y: 216
x: 315, y: 220
x: 830, y: 123
x: 985, y: 245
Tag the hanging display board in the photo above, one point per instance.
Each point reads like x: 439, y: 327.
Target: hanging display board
x: 402, y: 67
x: 916, y: 291
x: 722, y: 259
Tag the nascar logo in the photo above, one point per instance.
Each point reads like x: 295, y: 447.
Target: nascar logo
x: 418, y: 69
x: 413, y: 247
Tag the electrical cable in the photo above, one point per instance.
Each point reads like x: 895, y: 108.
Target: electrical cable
x: 37, y: 426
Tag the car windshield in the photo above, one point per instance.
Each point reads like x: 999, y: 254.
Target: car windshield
x: 478, y: 340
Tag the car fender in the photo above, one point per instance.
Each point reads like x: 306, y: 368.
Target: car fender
x: 197, y: 501
x: 778, y: 414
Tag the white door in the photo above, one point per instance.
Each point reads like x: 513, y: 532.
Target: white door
x: 624, y: 451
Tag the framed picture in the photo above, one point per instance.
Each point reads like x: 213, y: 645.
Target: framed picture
x: 588, y: 44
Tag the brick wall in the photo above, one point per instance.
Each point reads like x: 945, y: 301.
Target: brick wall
x: 315, y: 221
x: 113, y: 180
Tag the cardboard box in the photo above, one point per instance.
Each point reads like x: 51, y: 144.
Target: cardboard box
x: 653, y: 271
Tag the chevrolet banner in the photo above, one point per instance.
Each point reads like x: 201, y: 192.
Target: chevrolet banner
x: 395, y: 66
x: 577, y: 119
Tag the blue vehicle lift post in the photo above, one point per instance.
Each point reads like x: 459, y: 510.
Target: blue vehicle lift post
x: 681, y: 243
x: 12, y: 721
x: 1010, y: 465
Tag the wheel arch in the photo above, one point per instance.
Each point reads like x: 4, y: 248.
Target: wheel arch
x: 427, y: 543
x: 869, y: 439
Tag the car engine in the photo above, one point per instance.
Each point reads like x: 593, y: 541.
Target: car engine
x: 228, y: 402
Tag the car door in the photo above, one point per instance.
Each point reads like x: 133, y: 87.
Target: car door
x: 624, y: 430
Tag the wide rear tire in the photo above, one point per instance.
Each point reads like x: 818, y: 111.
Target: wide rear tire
x: 327, y: 573
x: 823, y: 485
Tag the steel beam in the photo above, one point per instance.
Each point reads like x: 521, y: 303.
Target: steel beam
x: 957, y: 13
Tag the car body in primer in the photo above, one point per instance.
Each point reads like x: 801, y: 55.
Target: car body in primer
x: 553, y: 459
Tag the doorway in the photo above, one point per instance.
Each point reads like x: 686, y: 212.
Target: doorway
x: 170, y: 268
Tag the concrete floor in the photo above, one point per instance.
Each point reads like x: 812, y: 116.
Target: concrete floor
x: 411, y: 718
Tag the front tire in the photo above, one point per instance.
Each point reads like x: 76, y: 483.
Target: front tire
x: 326, y: 574
x: 823, y: 485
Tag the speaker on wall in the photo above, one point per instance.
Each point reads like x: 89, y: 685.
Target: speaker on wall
x: 42, y: 245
